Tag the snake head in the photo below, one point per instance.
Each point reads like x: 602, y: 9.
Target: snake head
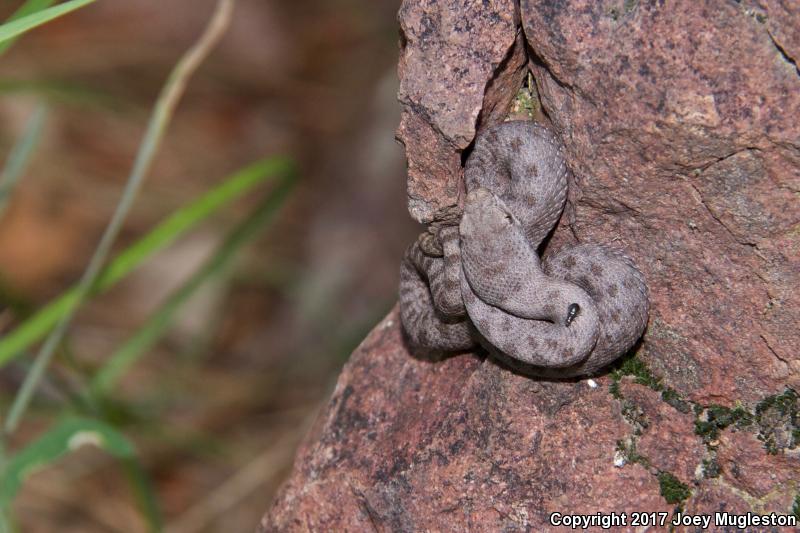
x: 484, y: 212
x: 489, y: 232
x: 496, y: 257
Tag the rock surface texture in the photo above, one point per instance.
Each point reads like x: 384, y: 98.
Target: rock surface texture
x: 680, y: 124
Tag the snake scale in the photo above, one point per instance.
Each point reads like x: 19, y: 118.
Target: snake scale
x: 476, y: 278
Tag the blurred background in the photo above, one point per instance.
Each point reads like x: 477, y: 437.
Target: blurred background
x: 217, y: 407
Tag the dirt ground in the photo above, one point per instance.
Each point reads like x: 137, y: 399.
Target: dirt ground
x: 217, y: 408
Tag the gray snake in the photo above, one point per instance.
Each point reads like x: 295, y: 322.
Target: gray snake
x: 477, y: 278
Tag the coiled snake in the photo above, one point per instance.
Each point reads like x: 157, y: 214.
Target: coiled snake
x: 480, y: 279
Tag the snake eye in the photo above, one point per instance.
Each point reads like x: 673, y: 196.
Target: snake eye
x: 572, y: 312
x: 509, y: 218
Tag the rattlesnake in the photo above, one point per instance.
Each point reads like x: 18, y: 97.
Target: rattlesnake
x: 478, y: 278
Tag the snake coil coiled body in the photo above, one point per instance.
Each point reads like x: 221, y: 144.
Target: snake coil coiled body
x: 480, y: 279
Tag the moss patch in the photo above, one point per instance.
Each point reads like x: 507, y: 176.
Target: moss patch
x: 613, y: 389
x: 635, y: 417
x: 630, y: 365
x: 715, y: 418
x: 672, y: 489
x: 778, y: 419
x: 670, y: 397
x: 628, y: 450
x: 526, y: 102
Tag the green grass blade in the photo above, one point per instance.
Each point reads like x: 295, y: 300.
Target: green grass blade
x: 28, y: 8
x: 160, y: 118
x: 20, y: 155
x: 17, y: 27
x: 158, y: 323
x: 5, y: 522
x: 233, y: 187
x: 61, y: 91
x: 143, y: 492
x: 68, y: 435
x: 64, y: 437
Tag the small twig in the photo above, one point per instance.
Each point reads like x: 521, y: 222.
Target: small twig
x: 162, y: 113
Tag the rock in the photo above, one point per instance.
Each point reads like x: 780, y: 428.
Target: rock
x: 666, y: 440
x: 447, y: 62
x: 412, y: 445
x: 746, y: 467
x: 680, y: 125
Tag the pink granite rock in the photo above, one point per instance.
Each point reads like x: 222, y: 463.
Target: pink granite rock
x: 449, y: 57
x: 680, y: 125
x: 666, y: 440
